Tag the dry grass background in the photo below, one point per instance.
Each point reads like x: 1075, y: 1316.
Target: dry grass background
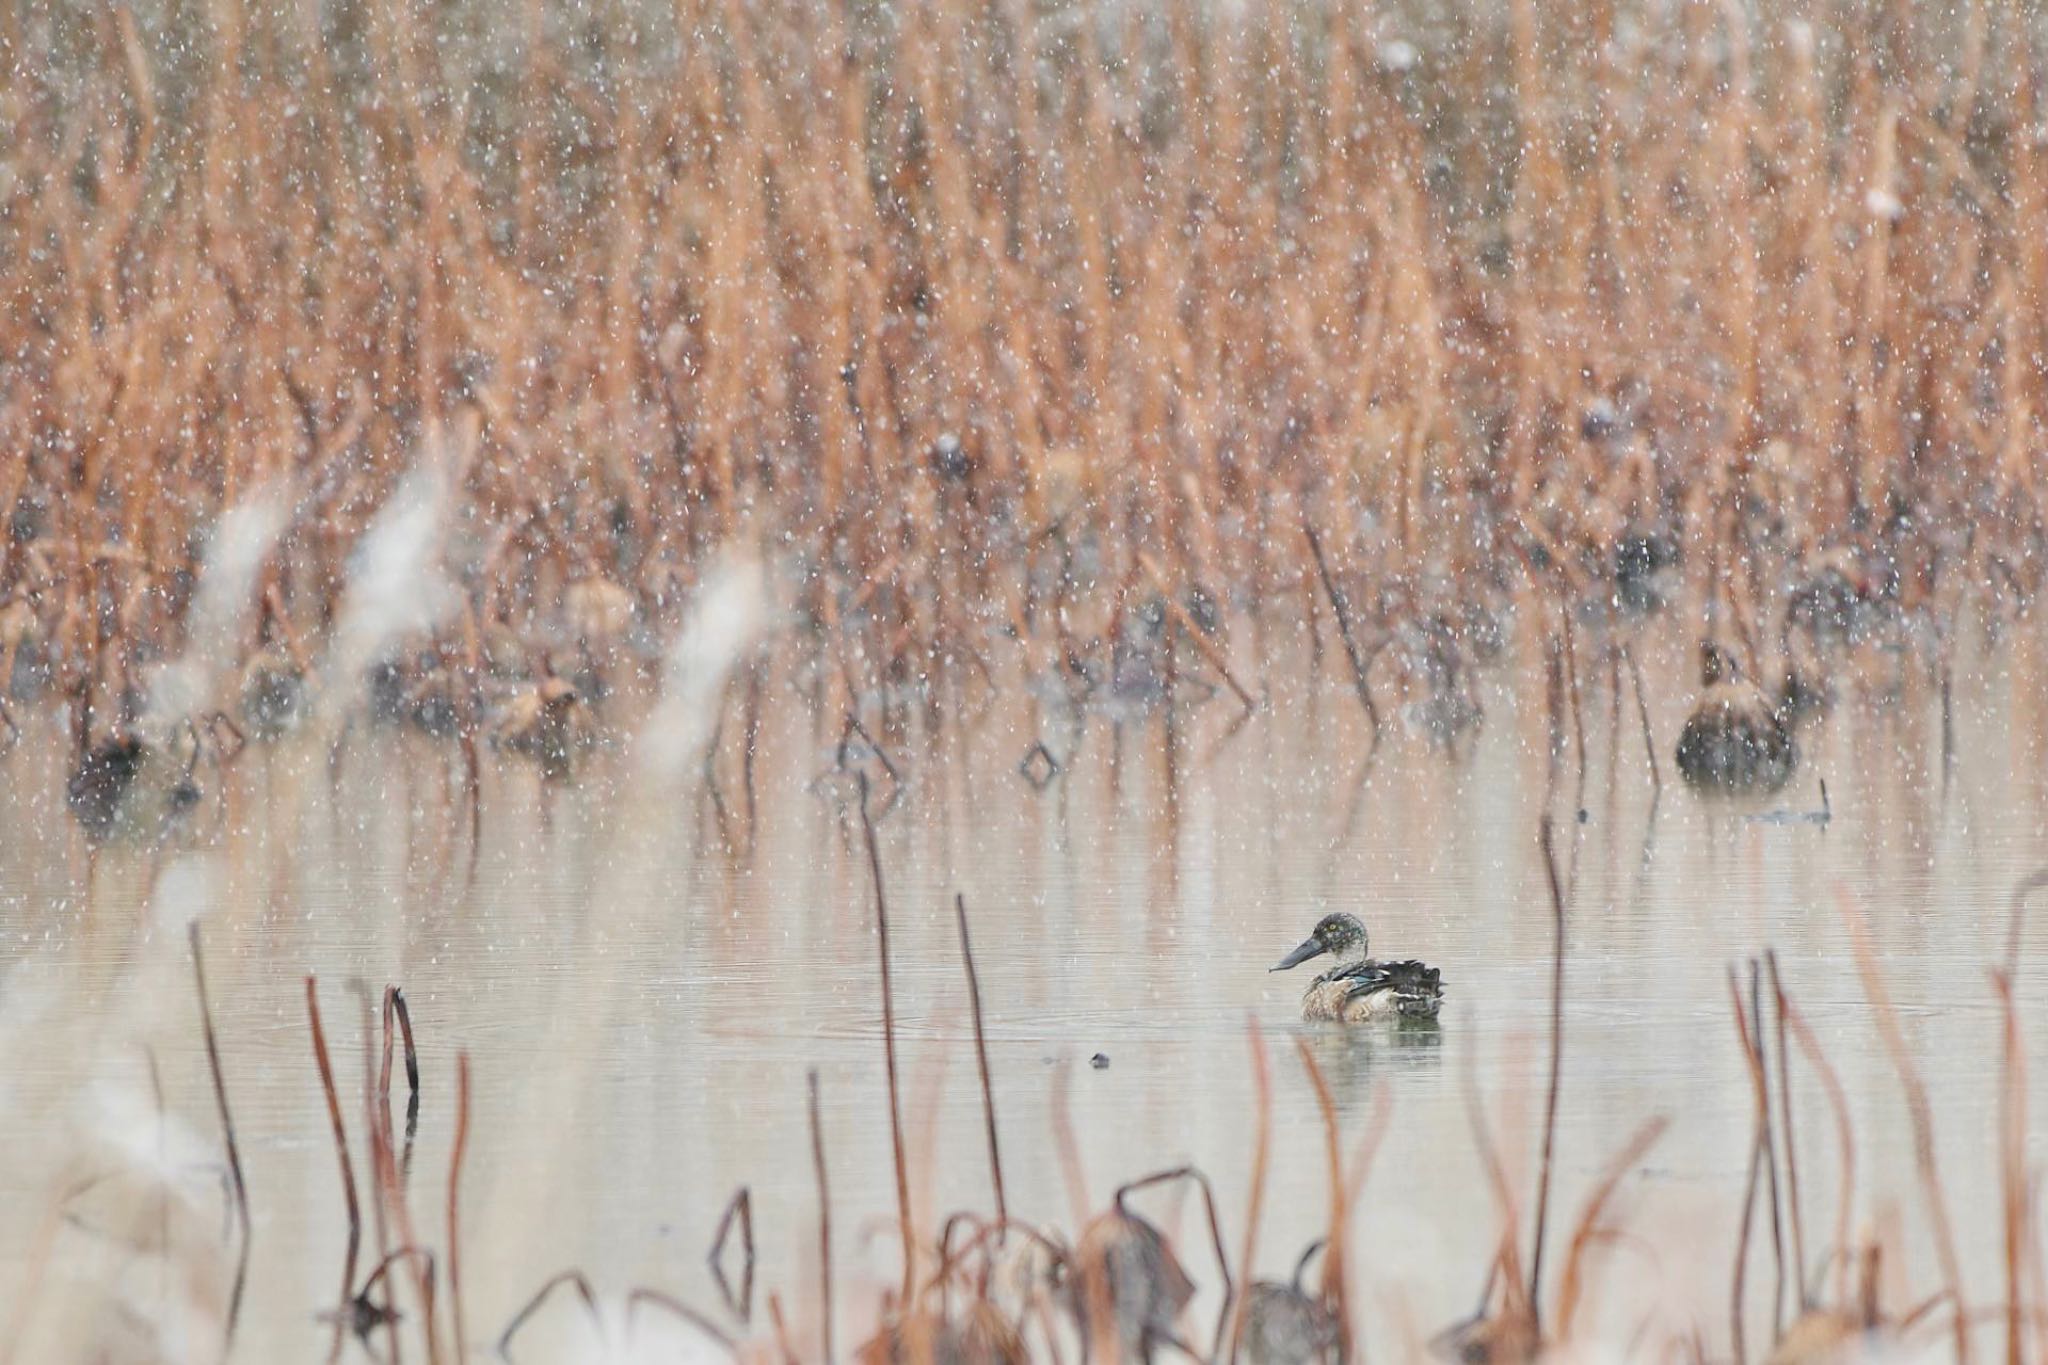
x: 1013, y: 304
x: 993, y: 317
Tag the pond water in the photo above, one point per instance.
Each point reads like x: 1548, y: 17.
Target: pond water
x: 641, y: 998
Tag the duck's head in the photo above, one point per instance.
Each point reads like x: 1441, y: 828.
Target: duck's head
x: 1340, y: 935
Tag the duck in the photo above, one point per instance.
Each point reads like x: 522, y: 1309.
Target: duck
x: 1735, y: 740
x: 1356, y: 988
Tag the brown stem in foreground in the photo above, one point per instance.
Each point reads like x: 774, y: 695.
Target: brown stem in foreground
x: 739, y: 1211
x: 867, y: 826
x: 1921, y: 1114
x: 391, y: 1188
x: 1334, y: 1280
x: 781, y: 1325
x: 348, y: 1173
x: 1763, y: 1099
x: 577, y: 1280
x: 1759, y: 1137
x: 412, y: 1080
x: 2012, y: 1162
x: 455, y: 1157
x: 234, y: 1151
x: 1804, y: 1299
x: 1072, y: 1173
x: 678, y: 1310
x: 1845, y: 1134
x: 1545, y: 838
x: 1505, y: 1269
x: 1624, y: 1161
x: 824, y: 1221
x: 1262, y: 1085
x: 379, y: 1160
x: 1368, y: 1146
x: 988, y: 1095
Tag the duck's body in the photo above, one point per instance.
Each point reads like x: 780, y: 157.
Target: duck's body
x: 1369, y: 990
x: 1359, y: 989
x: 1735, y: 740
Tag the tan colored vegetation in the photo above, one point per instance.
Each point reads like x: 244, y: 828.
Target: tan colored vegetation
x: 1012, y: 304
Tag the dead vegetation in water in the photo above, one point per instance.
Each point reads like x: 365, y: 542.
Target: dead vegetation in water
x: 996, y: 1290
x: 1032, y: 331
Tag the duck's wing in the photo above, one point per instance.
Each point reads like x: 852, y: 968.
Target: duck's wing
x: 1416, y: 986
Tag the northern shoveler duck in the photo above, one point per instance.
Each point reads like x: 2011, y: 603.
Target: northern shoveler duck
x: 1356, y: 988
x: 1735, y: 740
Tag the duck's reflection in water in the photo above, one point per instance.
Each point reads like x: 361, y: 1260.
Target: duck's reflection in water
x: 1354, y: 1057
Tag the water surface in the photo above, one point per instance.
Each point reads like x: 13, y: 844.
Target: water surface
x: 642, y: 984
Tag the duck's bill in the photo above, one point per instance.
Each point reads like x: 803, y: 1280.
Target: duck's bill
x: 1309, y: 948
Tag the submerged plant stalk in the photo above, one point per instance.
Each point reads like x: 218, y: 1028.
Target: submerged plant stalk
x: 237, y: 1181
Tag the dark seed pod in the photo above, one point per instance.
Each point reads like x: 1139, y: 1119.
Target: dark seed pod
x: 102, y: 778
x: 950, y: 459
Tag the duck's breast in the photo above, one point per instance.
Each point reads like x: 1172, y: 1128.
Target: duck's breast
x: 1324, y: 1000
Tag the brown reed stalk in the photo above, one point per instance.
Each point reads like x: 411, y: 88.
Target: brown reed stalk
x: 40, y: 1245
x: 163, y: 1203
x: 412, y: 1079
x: 1262, y: 1090
x: 1072, y: 1173
x: 1803, y: 1297
x: 1571, y: 673
x: 825, y: 1308
x: 867, y: 826
x: 458, y: 1151
x: 236, y: 1180
x: 1763, y: 1097
x: 380, y: 1203
x: 1211, y: 653
x: 1759, y: 1149
x: 1359, y: 662
x: 1505, y: 1269
x: 640, y: 1295
x: 1920, y: 1112
x: 572, y: 1278
x: 1554, y: 718
x: 1845, y: 1136
x: 1335, y: 1291
x: 1545, y: 841
x: 1571, y: 1287
x: 391, y: 1186
x: 750, y: 747
x: 2012, y: 1164
x: 739, y: 1212
x: 1205, y: 332
x: 348, y: 1174
x: 782, y: 1341
x: 988, y: 1094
